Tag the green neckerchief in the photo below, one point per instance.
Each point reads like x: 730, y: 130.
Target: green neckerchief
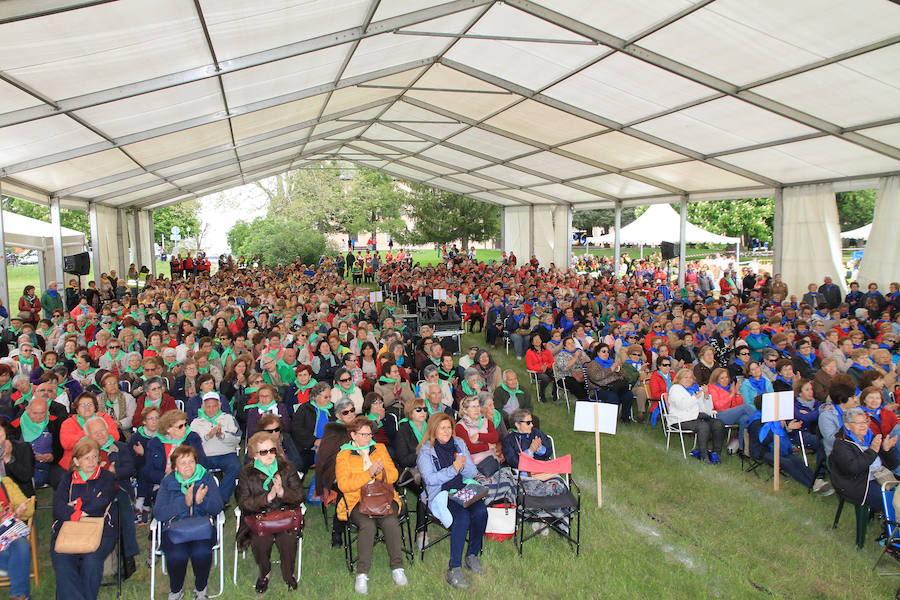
x: 118, y: 356
x: 225, y: 354
x: 149, y: 402
x: 31, y: 430
x: 214, y: 354
x: 347, y: 391
x: 110, y: 443
x: 468, y: 390
x: 199, y: 472
x: 231, y: 319
x: 267, y: 378
x: 6, y: 386
x: 29, y: 361
x: 131, y: 345
x: 509, y: 391
x: 85, y: 373
x: 171, y: 365
x: 353, y: 448
x: 325, y: 408
x: 212, y: 419
x: 444, y: 373
x: 203, y: 370
x: 269, y: 472
x: 109, y: 403
x: 138, y: 371
x: 144, y: 433
x: 250, y: 390
x: 15, y: 331
x: 184, y: 313
x: 26, y: 398
x: 374, y: 418
x: 386, y: 379
x: 495, y: 419
x: 176, y: 443
x: 69, y: 356
x: 311, y: 383
x: 80, y: 420
x: 419, y: 433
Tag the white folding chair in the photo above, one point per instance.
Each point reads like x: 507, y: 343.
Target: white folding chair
x: 669, y: 427
x: 237, y: 518
x: 533, y: 375
x: 218, y: 551
x: 180, y: 405
x: 559, y: 382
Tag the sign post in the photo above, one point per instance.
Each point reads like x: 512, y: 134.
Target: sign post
x: 599, y: 418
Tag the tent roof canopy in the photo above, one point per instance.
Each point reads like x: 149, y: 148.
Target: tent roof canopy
x: 24, y: 232
x: 143, y: 103
x: 660, y: 223
x: 860, y: 233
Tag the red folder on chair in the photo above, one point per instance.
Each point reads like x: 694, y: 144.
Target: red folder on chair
x: 563, y: 464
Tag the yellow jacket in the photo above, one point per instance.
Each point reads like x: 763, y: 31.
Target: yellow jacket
x: 351, y: 476
x: 16, y: 497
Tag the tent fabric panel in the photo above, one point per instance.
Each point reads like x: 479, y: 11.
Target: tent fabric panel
x: 24, y: 232
x: 271, y: 119
x: 562, y: 234
x: 564, y: 192
x: 424, y: 164
x: 544, y: 235
x: 180, y: 143
x: 107, y: 243
x: 513, y: 177
x: 387, y: 50
x: 355, y: 96
x: 126, y: 199
x: 623, y: 89
x: 621, y: 150
x: 494, y: 198
x: 128, y: 41
x: 111, y: 188
x: 525, y: 196
x: 695, y: 175
x: 622, y: 19
x: 449, y: 155
x: 723, y: 124
x: 37, y: 139
x: 147, y: 249
x: 388, y: 9
x: 517, y: 231
x: 810, y: 236
x: 187, y: 182
x: 77, y: 170
x: 453, y: 186
x: 477, y: 182
x: 12, y: 98
x: 881, y: 259
x: 295, y: 137
x: 619, y: 186
x: 559, y: 166
x: 889, y: 134
x: 543, y: 123
x: 858, y: 90
x: 489, y: 143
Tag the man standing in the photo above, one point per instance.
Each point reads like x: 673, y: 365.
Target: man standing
x: 831, y: 292
x: 51, y: 300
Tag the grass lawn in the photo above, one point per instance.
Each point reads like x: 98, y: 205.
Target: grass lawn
x: 23, y: 275
x: 669, y: 528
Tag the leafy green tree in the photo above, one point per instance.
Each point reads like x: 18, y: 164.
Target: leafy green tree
x: 314, y: 196
x: 746, y: 218
x: 184, y: 215
x: 374, y: 203
x: 443, y: 217
x: 277, y: 241
x: 605, y: 217
x: 855, y: 209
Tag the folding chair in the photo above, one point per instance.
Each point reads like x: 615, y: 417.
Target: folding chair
x: 427, y: 519
x: 559, y: 381
x: 32, y: 541
x: 180, y: 405
x: 536, y: 508
x: 237, y: 518
x: 218, y: 551
x: 533, y: 375
x: 862, y: 520
x: 351, y: 534
x: 670, y: 428
x: 125, y: 386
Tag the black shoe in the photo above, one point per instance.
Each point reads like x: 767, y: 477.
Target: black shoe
x: 129, y: 568
x: 337, y: 540
x: 262, y: 585
x: 292, y: 584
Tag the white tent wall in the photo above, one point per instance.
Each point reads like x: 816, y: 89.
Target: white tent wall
x: 133, y: 256
x: 562, y: 236
x: 517, y: 231
x: 146, y: 239
x: 543, y: 235
x: 881, y: 260
x: 106, y: 243
x: 810, y: 237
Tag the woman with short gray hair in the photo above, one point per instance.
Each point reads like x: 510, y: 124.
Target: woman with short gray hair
x: 858, y: 456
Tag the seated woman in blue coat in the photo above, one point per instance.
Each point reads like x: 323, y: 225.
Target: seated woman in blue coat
x: 187, y: 491
x: 171, y: 434
x: 86, y: 490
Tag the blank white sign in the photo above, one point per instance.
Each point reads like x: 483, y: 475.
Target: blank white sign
x: 585, y: 419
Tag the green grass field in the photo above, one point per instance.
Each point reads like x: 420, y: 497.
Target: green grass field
x: 669, y: 528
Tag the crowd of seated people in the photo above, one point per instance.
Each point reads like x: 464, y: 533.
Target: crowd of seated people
x: 167, y: 401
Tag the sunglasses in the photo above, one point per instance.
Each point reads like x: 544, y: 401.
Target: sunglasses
x: 345, y: 380
x: 743, y: 354
x: 526, y: 422
x: 348, y: 411
x: 275, y: 430
x: 419, y: 409
x: 264, y: 451
x: 181, y: 426
x: 665, y: 364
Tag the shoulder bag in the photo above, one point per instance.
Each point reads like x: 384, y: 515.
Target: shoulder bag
x: 82, y: 536
x: 190, y: 529
x: 376, y: 498
x: 275, y: 521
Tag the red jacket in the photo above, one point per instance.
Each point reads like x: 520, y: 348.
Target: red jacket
x: 166, y: 404
x: 657, y: 386
x: 538, y: 362
x: 491, y: 437
x: 34, y: 307
x: 70, y: 433
x: 722, y: 399
x: 888, y: 421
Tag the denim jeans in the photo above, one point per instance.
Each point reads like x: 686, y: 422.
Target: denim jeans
x: 470, y: 521
x: 78, y: 575
x: 16, y: 561
x: 200, y: 555
x: 737, y: 415
x: 231, y: 466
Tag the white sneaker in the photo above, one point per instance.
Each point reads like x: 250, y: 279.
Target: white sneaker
x: 421, y: 539
x: 819, y: 485
x: 176, y: 595
x: 201, y: 594
x: 399, y: 577
x: 362, y: 584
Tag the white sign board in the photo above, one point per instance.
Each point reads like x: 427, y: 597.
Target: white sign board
x: 440, y: 294
x: 376, y: 297
x: 585, y: 421
x: 777, y: 406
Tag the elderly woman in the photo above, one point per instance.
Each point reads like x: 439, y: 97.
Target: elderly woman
x: 72, y: 429
x: 173, y: 433
x: 822, y: 381
x: 472, y: 383
x: 116, y: 403
x: 22, y: 391
x: 188, y: 490
x: 410, y: 432
x: 344, y: 386
x: 154, y: 395
x: 385, y: 421
x: 221, y: 437
x: 269, y: 483
x: 87, y: 490
x: 729, y: 404
x: 488, y: 369
x: 608, y: 375
x: 491, y: 412
x: 206, y: 383
x: 568, y: 365
x: 308, y: 424
x: 395, y: 391
x: 856, y: 455
x: 359, y: 462
x: 267, y: 401
x: 324, y: 362
x: 693, y: 411
x: 138, y: 444
x: 431, y: 374
x: 705, y: 364
x: 444, y: 463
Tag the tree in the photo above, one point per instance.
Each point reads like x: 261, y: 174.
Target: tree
x: 183, y: 215
x: 606, y: 217
x: 277, y: 241
x: 855, y: 209
x: 374, y: 203
x: 442, y: 217
x: 314, y: 196
x: 746, y: 218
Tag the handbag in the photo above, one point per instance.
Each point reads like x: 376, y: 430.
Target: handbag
x: 191, y: 529
x: 376, y: 498
x: 469, y: 495
x: 488, y: 466
x: 82, y: 536
x: 275, y: 521
x: 501, y: 523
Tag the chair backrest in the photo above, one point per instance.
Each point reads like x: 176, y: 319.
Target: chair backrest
x: 561, y: 465
x: 887, y: 498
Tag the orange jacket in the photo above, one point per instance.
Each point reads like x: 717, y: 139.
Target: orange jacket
x: 351, y: 476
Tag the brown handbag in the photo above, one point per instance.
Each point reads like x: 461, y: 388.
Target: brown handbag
x: 275, y: 521
x: 82, y: 536
x: 376, y: 498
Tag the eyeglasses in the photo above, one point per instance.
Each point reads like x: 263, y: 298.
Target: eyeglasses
x: 345, y: 380
x: 768, y: 360
x: 264, y: 451
x: 419, y: 409
x: 361, y: 434
x: 348, y: 411
x: 275, y: 430
x: 743, y: 354
x: 665, y: 364
x: 526, y: 422
x: 180, y: 426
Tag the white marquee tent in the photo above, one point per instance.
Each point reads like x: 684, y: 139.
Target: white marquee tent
x: 541, y: 107
x: 860, y: 233
x: 659, y: 223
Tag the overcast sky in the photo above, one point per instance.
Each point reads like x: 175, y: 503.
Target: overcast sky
x: 223, y: 210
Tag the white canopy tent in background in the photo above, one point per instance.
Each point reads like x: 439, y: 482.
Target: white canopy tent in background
x: 542, y: 107
x: 660, y: 223
x: 860, y: 233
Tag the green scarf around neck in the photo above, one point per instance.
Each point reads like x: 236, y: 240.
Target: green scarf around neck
x: 509, y: 391
x: 31, y: 430
x: 199, y: 472
x: 269, y: 472
x: 419, y: 433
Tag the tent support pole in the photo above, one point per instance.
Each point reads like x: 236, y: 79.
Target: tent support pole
x: 778, y: 231
x: 121, y: 229
x: 136, y: 242
x: 737, y: 255
x: 4, y: 279
x: 617, y: 245
x: 152, y: 237
x: 682, y: 245
x: 530, y: 232
x: 95, y: 241
x: 42, y: 272
x: 55, y: 220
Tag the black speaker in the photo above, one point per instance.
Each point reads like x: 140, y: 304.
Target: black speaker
x: 669, y: 250
x: 77, y: 264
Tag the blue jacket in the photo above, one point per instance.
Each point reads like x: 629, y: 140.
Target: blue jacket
x: 95, y: 495
x: 433, y: 477
x: 195, y: 403
x: 155, y: 456
x: 748, y: 392
x: 170, y: 501
x: 511, y: 448
x: 123, y: 458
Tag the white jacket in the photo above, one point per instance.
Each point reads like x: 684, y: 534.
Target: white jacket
x: 686, y: 407
x: 217, y: 446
